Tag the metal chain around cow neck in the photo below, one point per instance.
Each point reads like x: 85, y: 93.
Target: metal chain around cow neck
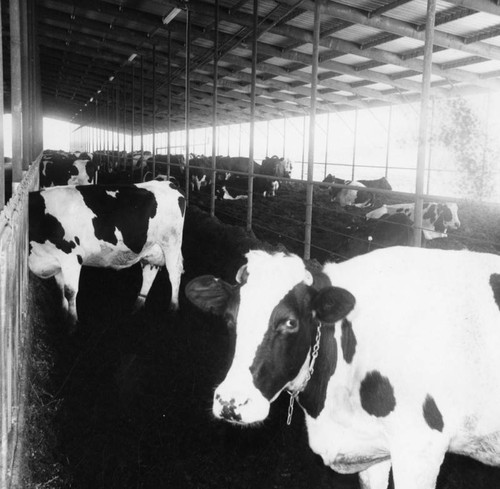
x: 310, y: 371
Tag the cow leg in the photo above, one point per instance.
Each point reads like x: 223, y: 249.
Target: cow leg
x: 149, y: 273
x: 376, y: 477
x: 173, y: 262
x: 67, y: 280
x: 416, y: 461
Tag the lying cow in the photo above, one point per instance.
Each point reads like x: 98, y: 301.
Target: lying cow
x: 358, y: 198
x: 235, y: 187
x: 61, y: 168
x: 437, y: 218
x: 106, y: 226
x: 392, y: 355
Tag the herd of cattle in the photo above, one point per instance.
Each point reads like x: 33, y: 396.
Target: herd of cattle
x: 73, y: 223
x: 393, y: 355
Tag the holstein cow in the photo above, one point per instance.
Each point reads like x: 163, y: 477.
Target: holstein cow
x: 437, y: 218
x: 232, y: 185
x: 199, y: 172
x: 276, y: 167
x: 392, y: 355
x: 61, y: 168
x: 358, y: 198
x: 173, y: 171
x: 106, y: 226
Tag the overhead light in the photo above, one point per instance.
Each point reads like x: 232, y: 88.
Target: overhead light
x: 91, y: 99
x: 132, y: 57
x: 171, y: 16
x: 111, y: 78
x: 98, y: 91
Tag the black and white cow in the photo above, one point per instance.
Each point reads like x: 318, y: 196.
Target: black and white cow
x: 359, y: 198
x: 61, y: 168
x: 437, y: 218
x: 276, y: 166
x: 106, y: 226
x: 392, y: 355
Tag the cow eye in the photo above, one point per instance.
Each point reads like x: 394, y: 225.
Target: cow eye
x: 288, y: 326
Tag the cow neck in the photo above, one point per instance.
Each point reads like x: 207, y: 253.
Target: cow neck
x: 315, y: 348
x: 311, y: 394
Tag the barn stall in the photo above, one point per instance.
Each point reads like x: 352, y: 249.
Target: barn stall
x: 125, y: 402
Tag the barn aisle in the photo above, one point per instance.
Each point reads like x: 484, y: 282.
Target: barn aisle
x: 130, y: 395
x: 126, y: 401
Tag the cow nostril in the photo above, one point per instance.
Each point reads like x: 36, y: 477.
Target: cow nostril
x: 229, y: 411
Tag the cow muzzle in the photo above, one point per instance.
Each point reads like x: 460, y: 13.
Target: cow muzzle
x: 239, y: 408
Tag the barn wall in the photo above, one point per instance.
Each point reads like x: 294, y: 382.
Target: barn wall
x: 14, y: 323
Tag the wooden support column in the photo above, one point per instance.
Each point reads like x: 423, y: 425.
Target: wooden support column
x: 187, y: 95
x: 169, y: 98
x: 354, y: 144
x: 312, y: 127
x: 388, y: 142
x: 25, y: 88
x: 132, y: 115
x: 154, y: 111
x: 2, y: 148
x: 252, y: 114
x: 16, y: 92
x: 424, y: 119
x: 142, y: 116
x: 214, y: 108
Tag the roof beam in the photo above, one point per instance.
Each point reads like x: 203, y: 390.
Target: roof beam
x: 401, y: 28
x: 486, y: 6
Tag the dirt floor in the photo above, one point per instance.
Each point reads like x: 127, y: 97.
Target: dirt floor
x: 126, y: 401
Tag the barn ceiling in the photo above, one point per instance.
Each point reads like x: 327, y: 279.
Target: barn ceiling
x: 370, y: 54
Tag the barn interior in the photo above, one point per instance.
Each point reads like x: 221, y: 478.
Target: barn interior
x: 126, y: 400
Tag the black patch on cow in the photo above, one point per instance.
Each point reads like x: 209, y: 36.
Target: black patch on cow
x: 77, y: 240
x: 312, y: 399
x: 431, y: 214
x: 377, y: 394
x: 45, y: 227
x: 432, y: 414
x: 285, y: 345
x: 444, y: 215
x: 129, y: 211
x: 348, y: 341
x: 495, y: 286
x: 80, y: 259
x: 182, y: 205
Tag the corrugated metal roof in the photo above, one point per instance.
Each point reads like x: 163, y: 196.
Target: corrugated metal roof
x: 83, y: 44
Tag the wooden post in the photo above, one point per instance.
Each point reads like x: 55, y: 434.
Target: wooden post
x: 154, y: 110
x: 252, y: 115
x: 16, y: 93
x: 188, y: 94
x: 214, y: 108
x: 312, y: 123
x: 424, y: 116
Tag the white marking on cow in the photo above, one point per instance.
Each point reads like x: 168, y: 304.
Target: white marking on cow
x: 348, y: 196
x: 112, y: 193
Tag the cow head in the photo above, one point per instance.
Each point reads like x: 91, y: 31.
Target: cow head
x: 275, y: 309
x: 448, y: 216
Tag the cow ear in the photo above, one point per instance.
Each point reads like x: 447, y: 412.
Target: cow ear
x: 242, y: 274
x: 208, y: 293
x: 332, y: 304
